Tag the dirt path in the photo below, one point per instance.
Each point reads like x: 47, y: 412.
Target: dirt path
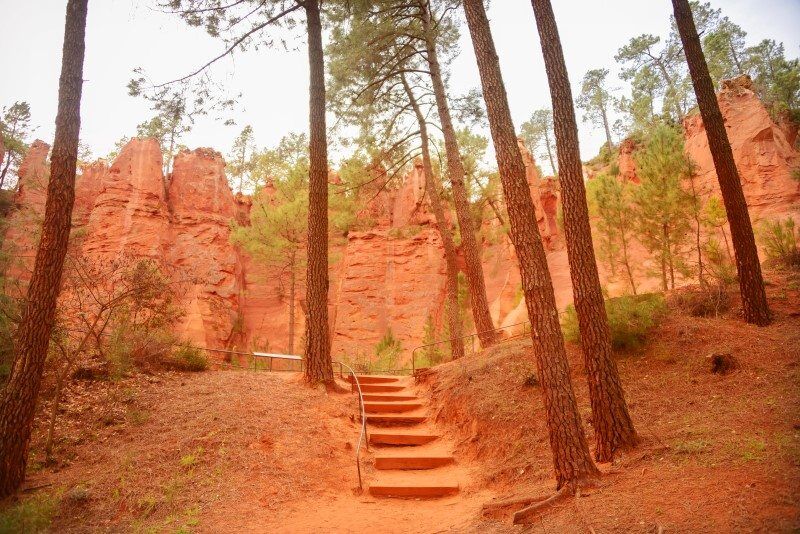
x: 411, y: 481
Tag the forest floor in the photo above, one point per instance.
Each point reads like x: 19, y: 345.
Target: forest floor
x: 239, y: 451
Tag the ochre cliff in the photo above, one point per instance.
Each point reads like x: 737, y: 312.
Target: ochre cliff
x: 390, y: 275
x: 764, y: 152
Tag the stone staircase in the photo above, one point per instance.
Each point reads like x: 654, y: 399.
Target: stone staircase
x: 410, y: 457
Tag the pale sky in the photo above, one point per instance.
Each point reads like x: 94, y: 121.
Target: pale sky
x: 124, y: 34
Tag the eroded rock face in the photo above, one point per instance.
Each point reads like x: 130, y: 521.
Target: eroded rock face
x: 764, y: 153
x: 24, y: 223
x: 627, y: 165
x: 545, y: 198
x: 202, y: 207
x: 130, y: 214
x: 390, y: 280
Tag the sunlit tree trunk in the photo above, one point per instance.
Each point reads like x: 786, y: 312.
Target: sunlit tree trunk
x: 612, y: 424
x: 452, y: 309
x: 455, y: 170
x: 568, y: 444
x: 318, y: 344
x: 18, y: 403
x: 751, y: 283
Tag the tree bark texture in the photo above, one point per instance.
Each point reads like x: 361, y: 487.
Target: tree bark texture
x: 455, y: 170
x: 751, y: 282
x: 318, y: 344
x: 452, y: 311
x: 18, y: 404
x: 610, y: 418
x: 570, y: 449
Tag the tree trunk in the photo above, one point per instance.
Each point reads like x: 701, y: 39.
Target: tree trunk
x: 570, y: 449
x: 318, y: 344
x: 612, y: 423
x: 455, y: 170
x: 607, y: 128
x: 627, y: 261
x: 452, y: 308
x: 5, y: 169
x: 51, y: 428
x: 292, y: 288
x: 550, y: 152
x: 697, y: 225
x: 727, y: 245
x: 18, y: 404
x: 739, y: 69
x: 751, y: 283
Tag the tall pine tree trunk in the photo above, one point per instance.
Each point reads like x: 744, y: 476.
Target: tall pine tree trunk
x: 751, y: 283
x: 609, y: 143
x: 570, y: 449
x: 455, y: 170
x: 18, y: 404
x: 452, y: 308
x: 612, y: 423
x: 318, y: 344
x: 292, y: 298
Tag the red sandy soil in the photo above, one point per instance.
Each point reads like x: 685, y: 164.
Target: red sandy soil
x: 239, y: 451
x: 719, y: 453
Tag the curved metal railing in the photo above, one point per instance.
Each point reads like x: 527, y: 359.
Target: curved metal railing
x: 363, y: 435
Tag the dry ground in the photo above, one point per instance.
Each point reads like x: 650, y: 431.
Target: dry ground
x: 238, y: 451
x: 719, y: 453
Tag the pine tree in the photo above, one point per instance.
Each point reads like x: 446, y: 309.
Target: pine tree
x: 661, y: 201
x: 751, y: 283
x: 18, y: 402
x: 318, y: 342
x: 612, y: 206
x: 612, y: 423
x: 571, y: 458
x: 455, y: 171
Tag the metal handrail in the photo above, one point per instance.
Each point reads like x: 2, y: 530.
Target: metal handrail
x: 254, y: 354
x: 363, y: 435
x: 472, y: 336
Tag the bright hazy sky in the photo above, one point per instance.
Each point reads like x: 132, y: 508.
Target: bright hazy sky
x: 123, y: 34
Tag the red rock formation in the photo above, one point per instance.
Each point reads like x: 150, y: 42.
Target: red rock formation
x: 130, y: 215
x: 764, y: 155
x: 24, y: 222
x: 203, y: 207
x: 410, y: 206
x: 627, y: 165
x: 545, y: 199
x: 390, y: 280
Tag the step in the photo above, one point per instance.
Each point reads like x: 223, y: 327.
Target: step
x: 410, y: 489
x: 402, y: 461
x: 377, y: 397
x: 378, y: 388
x: 395, y: 418
x: 391, y: 407
x: 374, y: 379
x: 397, y: 437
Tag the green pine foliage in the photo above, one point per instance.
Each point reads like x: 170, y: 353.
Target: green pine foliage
x: 779, y: 239
x: 630, y: 319
x: 661, y: 202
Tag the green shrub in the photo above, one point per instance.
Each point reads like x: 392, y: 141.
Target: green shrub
x: 188, y: 358
x: 433, y: 355
x: 387, y: 352
x: 779, y: 239
x: 630, y: 318
x: 30, y: 515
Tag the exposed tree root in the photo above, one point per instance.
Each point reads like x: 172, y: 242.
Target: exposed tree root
x: 542, y: 504
x: 517, y: 501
